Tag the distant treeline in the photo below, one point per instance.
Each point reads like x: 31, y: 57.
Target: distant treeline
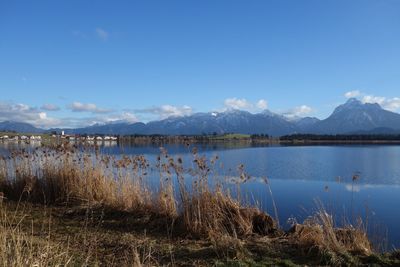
x: 204, y: 138
x: 341, y: 137
x: 198, y: 136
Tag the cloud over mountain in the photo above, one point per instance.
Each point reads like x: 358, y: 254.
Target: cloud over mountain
x: 389, y: 103
x: 244, y: 104
x: 50, y: 107
x: 27, y: 114
x: 81, y: 107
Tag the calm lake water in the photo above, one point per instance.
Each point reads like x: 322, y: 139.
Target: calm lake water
x: 300, y: 175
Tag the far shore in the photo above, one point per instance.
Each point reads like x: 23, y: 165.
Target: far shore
x: 231, y: 138
x: 343, y: 142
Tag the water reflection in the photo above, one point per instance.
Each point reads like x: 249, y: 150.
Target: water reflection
x: 376, y: 164
x: 8, y: 145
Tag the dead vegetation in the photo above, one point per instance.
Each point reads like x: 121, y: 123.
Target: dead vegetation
x: 319, y: 235
x: 71, y: 177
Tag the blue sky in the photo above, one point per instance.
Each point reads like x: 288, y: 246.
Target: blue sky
x: 74, y: 63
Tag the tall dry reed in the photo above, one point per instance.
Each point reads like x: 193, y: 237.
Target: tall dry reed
x: 191, y: 197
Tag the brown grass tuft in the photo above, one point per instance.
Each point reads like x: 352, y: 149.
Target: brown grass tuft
x: 319, y: 234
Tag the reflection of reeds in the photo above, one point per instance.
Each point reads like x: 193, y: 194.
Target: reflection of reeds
x: 266, y: 181
x: 355, y: 178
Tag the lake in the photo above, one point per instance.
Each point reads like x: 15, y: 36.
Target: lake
x: 301, y: 175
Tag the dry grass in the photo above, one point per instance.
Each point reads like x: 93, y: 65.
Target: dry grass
x: 29, y: 241
x: 17, y: 248
x: 68, y: 176
x: 319, y: 234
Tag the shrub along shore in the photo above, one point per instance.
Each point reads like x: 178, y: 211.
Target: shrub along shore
x: 69, y: 206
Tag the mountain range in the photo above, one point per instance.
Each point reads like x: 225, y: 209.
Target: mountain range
x: 20, y: 127
x: 350, y: 118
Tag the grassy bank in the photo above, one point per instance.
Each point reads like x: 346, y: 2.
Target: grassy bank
x: 70, y: 207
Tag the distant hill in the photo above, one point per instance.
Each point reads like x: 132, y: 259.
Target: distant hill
x: 233, y: 121
x: 20, y: 127
x: 353, y: 117
x: 121, y: 128
x: 305, y: 124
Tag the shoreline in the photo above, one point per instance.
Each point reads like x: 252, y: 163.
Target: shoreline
x: 239, y: 139
x: 95, y: 234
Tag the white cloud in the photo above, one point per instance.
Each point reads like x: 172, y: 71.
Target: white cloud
x: 236, y: 103
x: 303, y: 110
x: 125, y: 116
x: 102, y: 34
x: 262, y: 104
x: 166, y: 111
x: 392, y: 104
x: 74, y: 122
x: 39, y: 118
x: 299, y: 111
x: 352, y: 94
x: 81, y: 107
x: 373, y: 99
x: 88, y: 121
x: 244, y: 104
x: 50, y: 107
x: 25, y: 113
